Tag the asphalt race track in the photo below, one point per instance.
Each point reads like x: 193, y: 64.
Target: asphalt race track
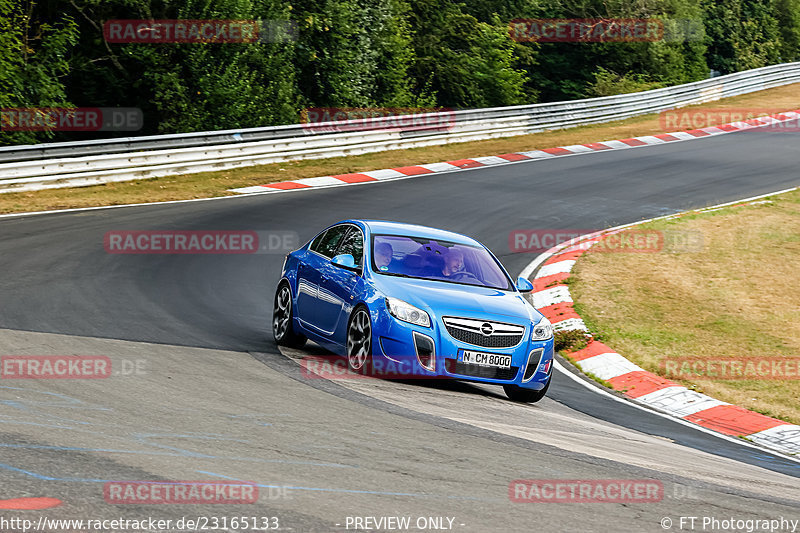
x: 213, y: 398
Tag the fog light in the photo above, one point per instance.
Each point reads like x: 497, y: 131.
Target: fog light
x: 425, y: 351
x: 533, y: 363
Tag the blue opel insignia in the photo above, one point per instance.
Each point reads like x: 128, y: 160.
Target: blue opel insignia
x: 434, y: 303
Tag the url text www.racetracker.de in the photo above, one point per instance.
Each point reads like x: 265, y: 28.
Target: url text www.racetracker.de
x: 149, y: 524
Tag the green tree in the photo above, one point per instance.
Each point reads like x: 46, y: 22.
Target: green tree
x: 364, y: 53
x: 463, y: 62
x: 184, y: 87
x: 33, y: 63
x: 743, y: 34
x: 788, y: 14
x: 353, y: 53
x: 573, y: 70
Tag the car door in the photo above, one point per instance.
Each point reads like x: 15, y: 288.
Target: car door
x: 337, y: 286
x: 307, y: 282
x: 309, y: 272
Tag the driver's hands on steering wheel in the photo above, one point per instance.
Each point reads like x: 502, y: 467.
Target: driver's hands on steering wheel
x: 463, y: 275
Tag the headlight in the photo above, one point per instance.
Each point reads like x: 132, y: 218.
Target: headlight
x: 542, y: 331
x: 408, y: 313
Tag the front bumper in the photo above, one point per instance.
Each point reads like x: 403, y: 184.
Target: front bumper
x: 405, y: 349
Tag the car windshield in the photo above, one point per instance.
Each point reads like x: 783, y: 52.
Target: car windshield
x: 424, y: 258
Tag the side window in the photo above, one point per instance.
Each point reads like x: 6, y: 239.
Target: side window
x: 353, y: 244
x: 314, y: 246
x: 330, y: 240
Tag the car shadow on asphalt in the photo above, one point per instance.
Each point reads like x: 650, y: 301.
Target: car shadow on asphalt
x: 316, y: 359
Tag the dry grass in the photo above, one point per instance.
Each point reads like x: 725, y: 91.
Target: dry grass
x: 211, y: 184
x: 737, y: 297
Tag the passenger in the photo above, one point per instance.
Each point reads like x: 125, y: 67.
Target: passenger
x: 383, y: 256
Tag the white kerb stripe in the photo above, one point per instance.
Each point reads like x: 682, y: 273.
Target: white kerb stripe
x: 679, y: 401
x: 713, y: 130
x: 785, y: 438
x: 555, y: 268
x: 319, y: 182
x: 536, y: 154
x: 649, y: 139
x: 552, y: 296
x: 383, y: 174
x: 249, y: 190
x: 682, y: 135
x: 608, y: 365
x: 490, y: 160
x: 741, y: 125
x: 440, y: 167
x: 616, y: 144
x: 578, y: 148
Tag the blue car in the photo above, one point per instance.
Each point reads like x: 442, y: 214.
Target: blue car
x: 433, y: 303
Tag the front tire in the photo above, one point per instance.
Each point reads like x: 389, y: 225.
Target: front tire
x: 359, y: 341
x: 283, y: 319
x: 516, y: 393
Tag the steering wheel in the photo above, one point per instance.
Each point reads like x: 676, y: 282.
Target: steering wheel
x: 464, y: 275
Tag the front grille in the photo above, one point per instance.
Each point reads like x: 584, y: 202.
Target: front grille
x: 453, y: 366
x: 469, y: 330
x: 479, y: 339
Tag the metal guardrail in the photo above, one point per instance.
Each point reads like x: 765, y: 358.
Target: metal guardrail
x: 35, y: 167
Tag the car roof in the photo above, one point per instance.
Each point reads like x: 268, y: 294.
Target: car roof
x: 385, y: 227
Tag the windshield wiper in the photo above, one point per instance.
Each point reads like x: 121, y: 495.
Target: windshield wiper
x: 399, y: 275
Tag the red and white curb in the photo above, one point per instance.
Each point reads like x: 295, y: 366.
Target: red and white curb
x: 29, y: 504
x: 552, y: 298
x: 547, y: 153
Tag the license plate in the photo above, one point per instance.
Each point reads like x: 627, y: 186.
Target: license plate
x: 485, y: 359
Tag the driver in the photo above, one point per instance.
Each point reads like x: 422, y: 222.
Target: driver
x: 453, y: 262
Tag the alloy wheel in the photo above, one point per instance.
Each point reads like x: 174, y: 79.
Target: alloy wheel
x: 359, y: 340
x: 282, y: 314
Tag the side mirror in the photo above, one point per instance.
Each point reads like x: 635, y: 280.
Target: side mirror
x: 346, y: 262
x: 523, y: 285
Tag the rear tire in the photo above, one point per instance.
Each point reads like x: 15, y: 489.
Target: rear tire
x: 359, y: 341
x: 283, y: 319
x: 516, y: 393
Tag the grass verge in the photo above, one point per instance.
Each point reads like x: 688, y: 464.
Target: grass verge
x: 214, y: 184
x: 731, y: 296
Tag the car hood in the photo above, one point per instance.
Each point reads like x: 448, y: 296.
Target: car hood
x: 451, y: 299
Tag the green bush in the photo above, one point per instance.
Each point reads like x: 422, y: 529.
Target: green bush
x: 607, y: 83
x: 572, y: 340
